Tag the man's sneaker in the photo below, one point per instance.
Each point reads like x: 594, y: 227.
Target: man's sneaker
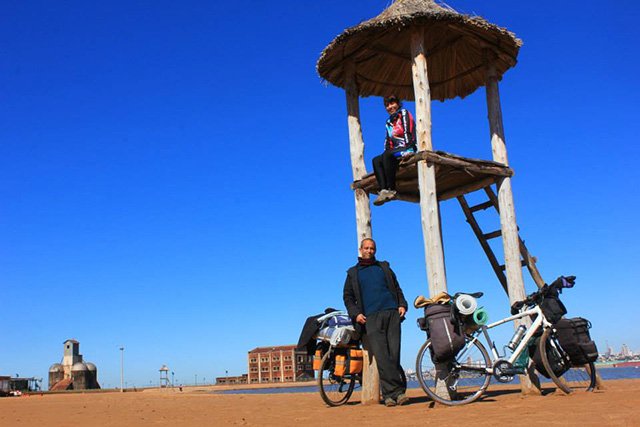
x: 389, y: 402
x: 391, y: 195
x: 402, y: 399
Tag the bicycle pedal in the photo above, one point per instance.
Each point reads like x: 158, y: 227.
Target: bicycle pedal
x: 513, y: 371
x: 504, y: 371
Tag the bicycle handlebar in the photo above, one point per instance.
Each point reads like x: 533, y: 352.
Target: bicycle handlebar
x: 562, y: 282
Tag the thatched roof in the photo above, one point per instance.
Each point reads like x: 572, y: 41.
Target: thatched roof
x: 455, y: 47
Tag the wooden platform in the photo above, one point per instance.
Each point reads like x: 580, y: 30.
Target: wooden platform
x: 455, y: 175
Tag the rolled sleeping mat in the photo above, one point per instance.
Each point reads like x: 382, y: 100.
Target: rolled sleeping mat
x: 466, y: 304
x: 481, y: 316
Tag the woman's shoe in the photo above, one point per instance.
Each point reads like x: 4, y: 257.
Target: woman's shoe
x: 383, y: 196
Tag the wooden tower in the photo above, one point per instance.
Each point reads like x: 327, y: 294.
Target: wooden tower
x: 421, y: 51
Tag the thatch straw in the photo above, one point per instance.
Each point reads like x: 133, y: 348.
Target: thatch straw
x: 456, y: 46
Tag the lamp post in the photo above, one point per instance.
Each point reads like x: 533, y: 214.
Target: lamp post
x: 173, y: 383
x: 121, y: 369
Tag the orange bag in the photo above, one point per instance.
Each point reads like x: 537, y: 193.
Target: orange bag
x: 355, y: 361
x: 350, y: 363
x: 341, y: 365
x: 317, y: 359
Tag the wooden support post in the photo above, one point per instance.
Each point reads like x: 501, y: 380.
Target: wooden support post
x: 370, y: 378
x: 356, y: 146
x: 530, y: 260
x: 429, y: 214
x: 429, y: 209
x: 508, y: 225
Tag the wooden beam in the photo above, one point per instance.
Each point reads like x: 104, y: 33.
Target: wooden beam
x: 457, y: 76
x: 522, y: 264
x: 404, y: 184
x: 407, y: 197
x: 493, y: 235
x: 371, y: 380
x: 398, y: 86
x: 443, y: 45
x: 482, y: 42
x: 481, y: 206
x: 377, y: 49
x: 459, y: 191
x: 356, y: 147
x: 508, y: 225
x: 484, y: 162
x: 432, y: 84
x: 429, y: 209
x: 483, y: 243
x: 460, y: 163
x: 426, y: 173
x: 465, y: 189
x: 531, y: 264
x: 505, y: 195
x: 349, y: 57
x: 529, y: 259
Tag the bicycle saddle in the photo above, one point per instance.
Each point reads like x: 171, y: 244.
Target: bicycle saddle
x: 475, y: 294
x: 515, y: 308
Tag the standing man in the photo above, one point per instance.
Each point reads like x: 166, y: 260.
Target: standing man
x: 376, y: 304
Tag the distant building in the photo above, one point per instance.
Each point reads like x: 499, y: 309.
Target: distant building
x: 9, y: 385
x: 609, y: 352
x: 20, y: 384
x: 242, y: 379
x: 4, y: 386
x: 279, y: 364
x: 73, y: 372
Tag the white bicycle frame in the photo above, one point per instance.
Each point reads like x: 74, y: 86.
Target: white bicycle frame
x: 540, y: 321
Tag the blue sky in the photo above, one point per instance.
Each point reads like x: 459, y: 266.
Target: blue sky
x: 175, y: 178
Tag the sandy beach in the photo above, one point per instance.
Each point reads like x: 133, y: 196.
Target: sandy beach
x: 503, y: 405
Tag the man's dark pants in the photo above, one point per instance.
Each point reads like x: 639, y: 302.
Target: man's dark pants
x: 383, y: 334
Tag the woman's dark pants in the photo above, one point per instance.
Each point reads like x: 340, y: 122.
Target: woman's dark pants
x: 385, y: 167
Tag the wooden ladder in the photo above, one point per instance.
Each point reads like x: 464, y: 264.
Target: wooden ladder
x: 527, y: 259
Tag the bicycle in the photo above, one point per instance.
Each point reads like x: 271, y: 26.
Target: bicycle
x: 335, y: 389
x: 465, y: 378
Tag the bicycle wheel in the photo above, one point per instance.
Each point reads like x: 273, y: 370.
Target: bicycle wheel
x: 459, y: 381
x: 576, y: 378
x: 334, y: 390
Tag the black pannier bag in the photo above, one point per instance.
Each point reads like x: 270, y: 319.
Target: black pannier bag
x: 573, y: 335
x: 446, y: 339
x: 422, y: 324
x: 558, y: 365
x: 552, y: 307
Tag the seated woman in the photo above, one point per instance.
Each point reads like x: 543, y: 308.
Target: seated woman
x: 399, y: 141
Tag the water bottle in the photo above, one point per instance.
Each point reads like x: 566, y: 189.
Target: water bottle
x: 517, y: 337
